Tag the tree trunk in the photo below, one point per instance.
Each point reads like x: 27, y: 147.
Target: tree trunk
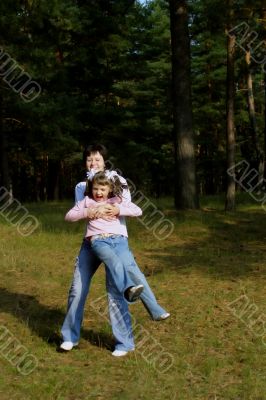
x: 230, y: 126
x: 185, y: 189
x: 4, y: 172
x: 264, y: 124
x: 253, y: 121
x: 263, y: 17
x: 54, y: 174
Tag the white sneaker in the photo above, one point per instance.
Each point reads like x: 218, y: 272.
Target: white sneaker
x: 134, y: 292
x: 163, y: 316
x: 119, y: 353
x: 67, y: 346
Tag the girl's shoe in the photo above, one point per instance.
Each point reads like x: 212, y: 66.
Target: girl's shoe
x: 134, y: 292
x: 163, y: 316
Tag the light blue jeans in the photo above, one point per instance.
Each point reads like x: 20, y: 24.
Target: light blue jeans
x: 110, y: 251
x: 86, y: 265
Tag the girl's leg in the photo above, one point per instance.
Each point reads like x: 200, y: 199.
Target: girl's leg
x: 105, y: 250
x: 86, y: 265
x: 147, y: 297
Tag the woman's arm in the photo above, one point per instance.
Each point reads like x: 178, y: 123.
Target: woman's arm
x: 79, y: 191
x: 126, y: 192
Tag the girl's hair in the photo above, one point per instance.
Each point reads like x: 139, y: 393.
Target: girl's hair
x: 100, y: 178
x: 95, y: 148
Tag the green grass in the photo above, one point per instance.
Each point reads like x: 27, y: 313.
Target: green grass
x: 211, y: 259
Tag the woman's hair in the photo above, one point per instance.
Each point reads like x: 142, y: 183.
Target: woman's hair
x: 95, y: 148
x: 100, y: 178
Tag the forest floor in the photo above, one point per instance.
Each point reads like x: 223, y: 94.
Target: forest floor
x: 209, y: 274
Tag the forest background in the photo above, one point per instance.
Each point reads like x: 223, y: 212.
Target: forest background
x: 102, y: 72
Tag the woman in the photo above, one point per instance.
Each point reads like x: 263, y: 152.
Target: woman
x: 86, y: 265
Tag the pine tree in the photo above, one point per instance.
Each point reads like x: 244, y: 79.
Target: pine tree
x: 185, y: 194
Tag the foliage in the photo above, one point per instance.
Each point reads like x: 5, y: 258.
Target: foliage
x: 105, y: 72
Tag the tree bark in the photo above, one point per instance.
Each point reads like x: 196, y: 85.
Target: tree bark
x: 264, y: 74
x: 230, y: 125
x: 54, y: 191
x: 4, y: 171
x: 253, y: 121
x: 185, y: 188
x: 263, y: 17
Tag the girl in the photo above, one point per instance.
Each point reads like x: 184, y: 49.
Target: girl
x: 108, y: 239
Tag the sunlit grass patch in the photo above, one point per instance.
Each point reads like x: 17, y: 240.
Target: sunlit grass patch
x: 211, y: 259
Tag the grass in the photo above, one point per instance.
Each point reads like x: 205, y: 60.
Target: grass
x: 210, y: 260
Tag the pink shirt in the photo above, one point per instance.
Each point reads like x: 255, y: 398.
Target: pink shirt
x: 100, y: 225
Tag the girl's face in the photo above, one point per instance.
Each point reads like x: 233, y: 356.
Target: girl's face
x: 100, y: 192
x: 95, y: 161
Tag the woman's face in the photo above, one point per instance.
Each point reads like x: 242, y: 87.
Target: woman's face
x: 95, y: 161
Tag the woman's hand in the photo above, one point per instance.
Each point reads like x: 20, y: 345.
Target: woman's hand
x: 91, y: 213
x: 108, y: 212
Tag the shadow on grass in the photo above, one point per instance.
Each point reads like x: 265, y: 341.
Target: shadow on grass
x: 44, y: 321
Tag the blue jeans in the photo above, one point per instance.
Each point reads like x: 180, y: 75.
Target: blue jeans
x: 115, y: 253
x: 108, y: 250
x: 86, y: 265
x: 138, y: 278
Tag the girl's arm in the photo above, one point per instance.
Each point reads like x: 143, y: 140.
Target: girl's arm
x: 82, y: 210
x: 128, y: 209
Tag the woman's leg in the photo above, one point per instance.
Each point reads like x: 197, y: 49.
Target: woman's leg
x: 116, y: 283
x: 86, y: 265
x: 120, y: 319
